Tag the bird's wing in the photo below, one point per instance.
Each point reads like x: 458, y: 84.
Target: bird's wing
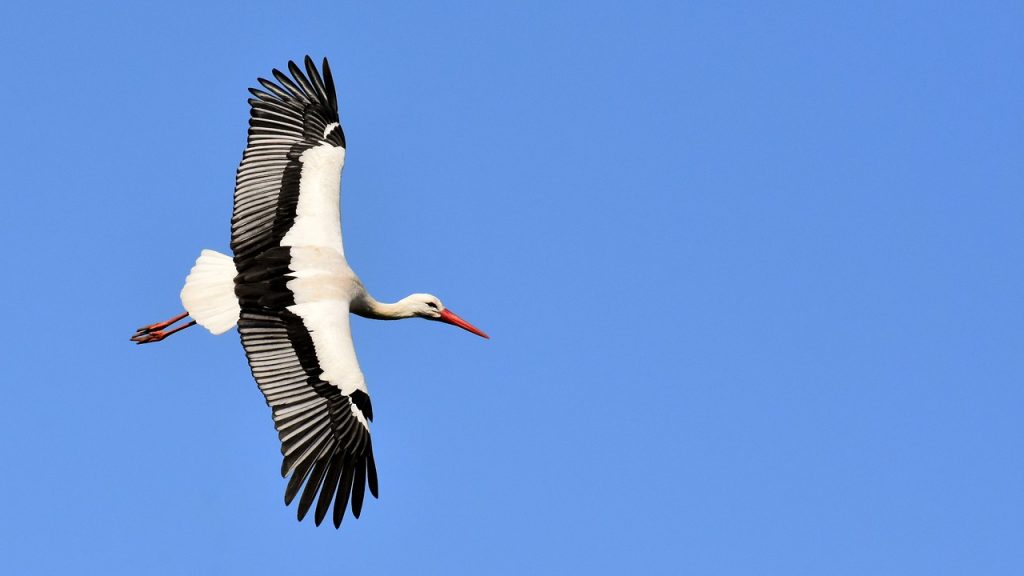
x: 292, y: 291
x: 321, y: 411
x: 287, y: 185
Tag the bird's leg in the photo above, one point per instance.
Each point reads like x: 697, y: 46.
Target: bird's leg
x: 156, y: 333
x: 164, y: 324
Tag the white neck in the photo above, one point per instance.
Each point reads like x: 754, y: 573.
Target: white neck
x: 368, y: 307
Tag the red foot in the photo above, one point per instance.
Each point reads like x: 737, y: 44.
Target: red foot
x: 147, y: 337
x: 156, y: 333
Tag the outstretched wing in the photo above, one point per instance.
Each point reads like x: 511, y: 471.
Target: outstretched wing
x: 291, y: 280
x: 325, y: 438
x: 295, y: 143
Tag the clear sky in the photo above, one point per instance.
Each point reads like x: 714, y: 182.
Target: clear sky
x: 753, y: 276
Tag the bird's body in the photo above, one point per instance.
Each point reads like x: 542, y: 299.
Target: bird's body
x: 290, y: 291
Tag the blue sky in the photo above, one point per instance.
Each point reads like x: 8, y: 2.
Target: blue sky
x: 752, y: 274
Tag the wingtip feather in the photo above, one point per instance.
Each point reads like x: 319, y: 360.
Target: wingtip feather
x: 371, y: 469
x: 344, y: 489
x: 332, y: 95
x: 316, y: 477
x: 358, y: 488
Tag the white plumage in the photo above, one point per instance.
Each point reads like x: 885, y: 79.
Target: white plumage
x: 209, y: 292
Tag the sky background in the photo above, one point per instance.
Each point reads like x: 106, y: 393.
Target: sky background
x: 753, y: 276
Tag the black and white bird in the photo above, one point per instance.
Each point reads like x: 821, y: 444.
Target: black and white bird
x: 290, y: 291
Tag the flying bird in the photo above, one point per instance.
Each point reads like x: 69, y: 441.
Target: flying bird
x: 289, y: 290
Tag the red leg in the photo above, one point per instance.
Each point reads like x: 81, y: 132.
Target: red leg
x: 164, y: 324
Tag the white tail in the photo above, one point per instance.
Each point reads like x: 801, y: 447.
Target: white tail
x: 209, y: 292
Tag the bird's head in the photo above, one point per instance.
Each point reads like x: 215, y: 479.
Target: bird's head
x: 430, y: 307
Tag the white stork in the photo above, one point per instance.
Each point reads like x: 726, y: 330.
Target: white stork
x: 290, y: 291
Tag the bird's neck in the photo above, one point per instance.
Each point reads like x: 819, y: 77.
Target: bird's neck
x: 368, y: 307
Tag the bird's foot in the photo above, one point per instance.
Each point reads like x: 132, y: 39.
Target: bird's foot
x: 145, y: 336
x: 156, y: 332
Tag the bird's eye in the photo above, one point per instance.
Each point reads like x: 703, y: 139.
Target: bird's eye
x: 432, y: 305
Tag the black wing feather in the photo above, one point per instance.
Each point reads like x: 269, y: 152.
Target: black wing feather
x: 285, y: 82
x: 330, y: 486
x: 318, y: 82
x: 316, y: 477
x: 344, y: 489
x: 358, y: 486
x: 332, y: 96
x: 303, y: 82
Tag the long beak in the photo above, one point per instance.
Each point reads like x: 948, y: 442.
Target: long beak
x: 452, y: 318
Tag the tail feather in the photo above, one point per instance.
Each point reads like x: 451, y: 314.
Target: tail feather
x: 209, y: 292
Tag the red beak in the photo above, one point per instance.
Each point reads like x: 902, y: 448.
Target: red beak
x: 452, y: 318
